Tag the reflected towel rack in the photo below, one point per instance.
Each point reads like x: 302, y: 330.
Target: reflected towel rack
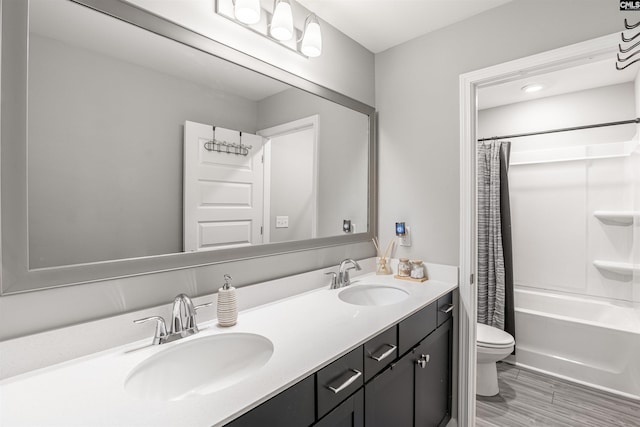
x: 228, y: 147
x: 543, y: 132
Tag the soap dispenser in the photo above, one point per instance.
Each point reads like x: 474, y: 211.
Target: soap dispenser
x: 227, y: 304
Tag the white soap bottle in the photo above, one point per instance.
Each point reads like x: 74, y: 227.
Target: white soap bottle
x: 227, y: 304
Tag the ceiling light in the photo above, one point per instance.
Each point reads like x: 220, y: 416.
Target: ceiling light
x: 533, y: 87
x: 247, y: 11
x: 282, y: 21
x: 312, y: 37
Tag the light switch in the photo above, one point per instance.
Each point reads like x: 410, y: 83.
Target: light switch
x: 282, y: 222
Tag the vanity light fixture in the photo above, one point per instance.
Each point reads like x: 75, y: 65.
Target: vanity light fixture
x: 247, y: 11
x: 311, y: 37
x: 533, y: 87
x: 278, y: 24
x: 281, y: 27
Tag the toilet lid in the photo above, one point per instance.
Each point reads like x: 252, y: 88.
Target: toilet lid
x: 490, y: 336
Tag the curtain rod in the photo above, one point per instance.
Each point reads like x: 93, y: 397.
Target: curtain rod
x: 597, y: 125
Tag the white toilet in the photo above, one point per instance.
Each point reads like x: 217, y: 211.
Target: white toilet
x: 492, y: 345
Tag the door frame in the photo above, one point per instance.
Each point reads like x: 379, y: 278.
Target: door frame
x: 280, y: 130
x: 564, y: 57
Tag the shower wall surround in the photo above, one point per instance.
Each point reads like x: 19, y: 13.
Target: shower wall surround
x: 556, y: 236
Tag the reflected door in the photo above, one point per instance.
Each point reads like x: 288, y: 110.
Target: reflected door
x: 223, y: 188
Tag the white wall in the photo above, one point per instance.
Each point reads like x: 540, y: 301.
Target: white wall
x: 417, y: 101
x: 555, y: 235
x: 635, y: 166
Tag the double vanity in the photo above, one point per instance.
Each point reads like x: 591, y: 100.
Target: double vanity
x: 377, y: 352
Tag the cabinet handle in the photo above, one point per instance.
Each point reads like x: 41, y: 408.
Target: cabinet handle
x: 357, y: 374
x: 448, y: 309
x: 386, y: 354
x: 423, y: 360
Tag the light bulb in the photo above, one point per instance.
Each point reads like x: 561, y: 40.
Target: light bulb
x: 534, y: 87
x: 282, y: 21
x: 312, y: 37
x: 247, y: 11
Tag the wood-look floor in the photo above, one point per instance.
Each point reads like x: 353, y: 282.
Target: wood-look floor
x: 529, y: 398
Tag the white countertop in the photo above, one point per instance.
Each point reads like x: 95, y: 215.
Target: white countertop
x: 308, y: 331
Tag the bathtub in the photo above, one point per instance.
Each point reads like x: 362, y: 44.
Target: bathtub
x: 589, y: 341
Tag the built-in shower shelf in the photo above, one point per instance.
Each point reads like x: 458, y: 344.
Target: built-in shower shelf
x: 625, y: 268
x: 617, y: 217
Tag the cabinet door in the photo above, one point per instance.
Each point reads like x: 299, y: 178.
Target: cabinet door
x: 433, y: 378
x: 349, y: 413
x: 292, y: 407
x: 389, y: 396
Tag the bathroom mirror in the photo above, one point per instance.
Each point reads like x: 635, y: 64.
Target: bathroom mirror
x: 95, y: 172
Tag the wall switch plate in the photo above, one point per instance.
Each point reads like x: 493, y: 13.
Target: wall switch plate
x: 282, y: 222
x: 406, y: 239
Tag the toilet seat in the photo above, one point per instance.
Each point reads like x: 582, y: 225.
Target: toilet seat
x: 490, y: 337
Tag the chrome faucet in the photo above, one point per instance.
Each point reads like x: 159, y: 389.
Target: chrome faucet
x: 183, y: 317
x: 343, y: 271
x: 183, y: 321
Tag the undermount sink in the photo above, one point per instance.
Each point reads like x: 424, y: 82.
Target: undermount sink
x: 372, y: 295
x: 200, y: 366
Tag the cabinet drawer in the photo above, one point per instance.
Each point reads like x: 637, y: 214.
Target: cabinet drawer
x: 339, y: 380
x: 379, y: 351
x: 413, y: 329
x: 445, y: 308
x: 292, y: 407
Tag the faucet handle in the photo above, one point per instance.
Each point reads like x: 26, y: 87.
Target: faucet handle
x: 334, y: 279
x: 207, y: 304
x: 161, y: 328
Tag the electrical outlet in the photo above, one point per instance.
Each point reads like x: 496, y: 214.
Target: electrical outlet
x: 406, y: 239
x: 282, y: 222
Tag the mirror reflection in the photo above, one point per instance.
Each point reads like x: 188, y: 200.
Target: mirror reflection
x: 140, y: 146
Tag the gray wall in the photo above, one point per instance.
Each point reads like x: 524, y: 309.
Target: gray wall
x: 342, y: 155
x: 129, y: 202
x: 417, y: 101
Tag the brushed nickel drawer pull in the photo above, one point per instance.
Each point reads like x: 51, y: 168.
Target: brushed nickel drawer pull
x: 386, y: 354
x: 357, y: 374
x: 448, y: 309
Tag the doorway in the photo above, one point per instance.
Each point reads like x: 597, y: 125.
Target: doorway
x: 470, y: 83
x: 290, y: 180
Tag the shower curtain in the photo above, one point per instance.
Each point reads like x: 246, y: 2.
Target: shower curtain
x: 495, y: 262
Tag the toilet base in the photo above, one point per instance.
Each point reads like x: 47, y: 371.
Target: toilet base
x: 487, y: 379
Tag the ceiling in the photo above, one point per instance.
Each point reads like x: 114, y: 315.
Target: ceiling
x: 596, y: 72
x: 381, y: 24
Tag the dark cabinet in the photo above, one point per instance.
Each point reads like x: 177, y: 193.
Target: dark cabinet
x: 349, y: 413
x: 293, y: 407
x: 433, y: 378
x: 389, y: 396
